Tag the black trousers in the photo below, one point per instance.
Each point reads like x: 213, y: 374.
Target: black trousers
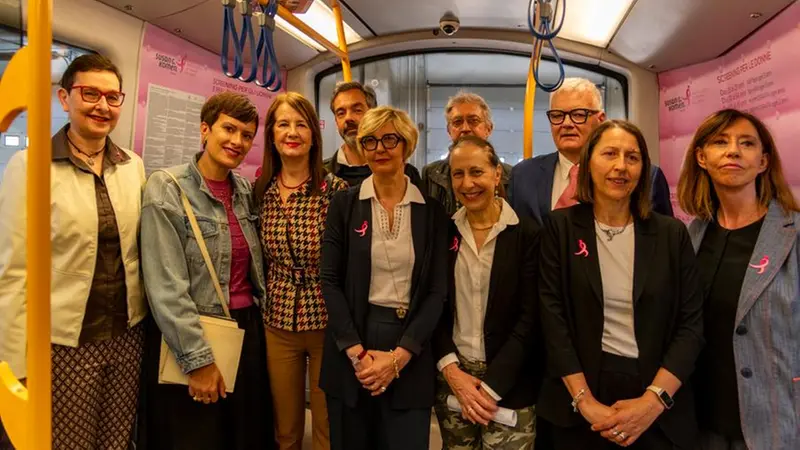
x: 170, y: 420
x: 619, y: 380
x: 373, y: 424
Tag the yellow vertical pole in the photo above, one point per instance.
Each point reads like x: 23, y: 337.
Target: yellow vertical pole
x: 39, y: 258
x: 530, y: 96
x: 337, y: 13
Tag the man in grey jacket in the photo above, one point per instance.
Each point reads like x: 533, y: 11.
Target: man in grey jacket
x: 466, y: 113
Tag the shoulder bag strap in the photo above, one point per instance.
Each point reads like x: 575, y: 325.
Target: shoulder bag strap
x: 202, y: 244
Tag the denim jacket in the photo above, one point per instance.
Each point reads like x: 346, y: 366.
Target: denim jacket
x: 177, y: 282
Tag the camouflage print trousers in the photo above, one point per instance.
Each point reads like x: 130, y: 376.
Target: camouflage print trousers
x: 461, y: 434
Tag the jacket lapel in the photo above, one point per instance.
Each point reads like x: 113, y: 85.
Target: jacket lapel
x: 644, y: 249
x: 419, y: 229
x: 775, y: 240
x: 545, y: 190
x: 585, y: 248
x: 361, y: 246
x: 503, y: 251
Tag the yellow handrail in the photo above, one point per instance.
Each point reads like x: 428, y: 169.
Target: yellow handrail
x: 530, y: 97
x: 340, y: 50
x: 26, y: 412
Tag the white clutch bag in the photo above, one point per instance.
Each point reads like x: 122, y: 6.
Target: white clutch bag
x: 222, y: 334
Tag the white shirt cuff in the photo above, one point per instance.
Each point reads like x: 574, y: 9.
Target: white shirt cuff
x: 489, y: 390
x: 446, y: 360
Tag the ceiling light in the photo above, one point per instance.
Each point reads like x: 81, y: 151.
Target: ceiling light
x: 593, y: 22
x: 319, y: 17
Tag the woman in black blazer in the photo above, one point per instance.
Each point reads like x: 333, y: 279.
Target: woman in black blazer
x: 621, y: 309
x: 487, y: 334
x: 384, y: 281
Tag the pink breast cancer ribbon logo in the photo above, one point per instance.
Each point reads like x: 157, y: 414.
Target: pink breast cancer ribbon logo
x: 363, y: 230
x: 454, y: 247
x: 583, y: 251
x: 762, y: 265
x: 324, y: 186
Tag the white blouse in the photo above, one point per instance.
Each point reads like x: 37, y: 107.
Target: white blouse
x: 392, y: 248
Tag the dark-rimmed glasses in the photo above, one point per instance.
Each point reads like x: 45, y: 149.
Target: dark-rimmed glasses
x: 577, y: 115
x: 389, y: 141
x: 91, y: 94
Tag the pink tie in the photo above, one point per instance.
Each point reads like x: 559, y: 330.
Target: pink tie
x: 567, y: 198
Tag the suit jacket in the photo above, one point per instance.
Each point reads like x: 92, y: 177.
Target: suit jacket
x: 511, y: 328
x: 668, y: 307
x: 765, y: 336
x: 531, y: 187
x: 345, y: 273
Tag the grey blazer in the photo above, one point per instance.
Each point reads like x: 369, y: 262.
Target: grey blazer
x: 766, y: 335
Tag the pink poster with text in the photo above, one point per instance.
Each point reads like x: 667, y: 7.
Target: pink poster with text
x: 759, y: 75
x: 175, y: 79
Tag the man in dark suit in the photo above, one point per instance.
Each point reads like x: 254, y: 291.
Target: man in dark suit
x: 466, y: 114
x: 349, y: 101
x: 547, y: 182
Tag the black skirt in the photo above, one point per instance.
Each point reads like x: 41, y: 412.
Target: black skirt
x: 170, y: 420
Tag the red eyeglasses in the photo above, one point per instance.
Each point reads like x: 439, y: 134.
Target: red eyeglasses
x: 91, y: 94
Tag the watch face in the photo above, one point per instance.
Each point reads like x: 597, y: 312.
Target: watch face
x: 667, y: 399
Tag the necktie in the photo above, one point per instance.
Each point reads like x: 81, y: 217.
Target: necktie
x: 567, y: 198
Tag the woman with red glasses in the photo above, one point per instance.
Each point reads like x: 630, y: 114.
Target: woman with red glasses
x: 96, y: 294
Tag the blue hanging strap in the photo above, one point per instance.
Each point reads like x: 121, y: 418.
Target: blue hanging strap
x: 229, y: 33
x: 267, y: 60
x: 547, y: 15
x: 247, y: 32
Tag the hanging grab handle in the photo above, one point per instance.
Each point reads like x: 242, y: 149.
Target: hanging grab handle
x: 545, y: 32
x: 267, y: 60
x: 229, y: 33
x: 247, y: 34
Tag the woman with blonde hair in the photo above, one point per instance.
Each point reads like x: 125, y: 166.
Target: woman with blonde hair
x: 384, y: 280
x: 746, y: 237
x: 293, y: 194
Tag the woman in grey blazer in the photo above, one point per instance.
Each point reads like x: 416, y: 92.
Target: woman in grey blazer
x: 746, y: 238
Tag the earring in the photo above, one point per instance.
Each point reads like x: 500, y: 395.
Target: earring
x: 497, y: 191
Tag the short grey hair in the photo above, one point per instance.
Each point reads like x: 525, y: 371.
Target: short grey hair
x: 468, y: 98
x: 580, y: 85
x: 344, y: 86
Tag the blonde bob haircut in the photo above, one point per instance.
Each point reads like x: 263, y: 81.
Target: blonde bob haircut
x: 696, y: 194
x: 376, y: 118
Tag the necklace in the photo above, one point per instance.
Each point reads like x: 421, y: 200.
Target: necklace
x: 89, y: 158
x: 500, y: 207
x: 611, y: 232
x: 291, y: 188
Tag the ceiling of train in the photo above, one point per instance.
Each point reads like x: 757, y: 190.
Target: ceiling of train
x: 654, y: 34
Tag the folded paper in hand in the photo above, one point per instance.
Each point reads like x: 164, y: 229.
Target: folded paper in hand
x: 225, y: 338
x: 504, y: 416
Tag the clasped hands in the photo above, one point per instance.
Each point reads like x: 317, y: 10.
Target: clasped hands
x: 376, y: 370
x: 623, y: 422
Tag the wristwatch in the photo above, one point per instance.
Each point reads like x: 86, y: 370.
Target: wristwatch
x: 665, y: 398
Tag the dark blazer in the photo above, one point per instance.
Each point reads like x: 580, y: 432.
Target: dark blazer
x: 345, y: 273
x: 531, y: 187
x: 668, y: 307
x: 511, y: 329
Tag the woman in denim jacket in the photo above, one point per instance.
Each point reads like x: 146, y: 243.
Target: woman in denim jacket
x: 179, y: 289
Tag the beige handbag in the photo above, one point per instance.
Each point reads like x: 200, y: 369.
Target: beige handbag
x: 222, y: 334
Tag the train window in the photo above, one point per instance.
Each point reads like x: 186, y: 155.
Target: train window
x: 16, y: 137
x: 421, y: 84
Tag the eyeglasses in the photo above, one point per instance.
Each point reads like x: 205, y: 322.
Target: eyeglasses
x: 91, y: 94
x: 389, y: 141
x: 472, y: 121
x: 578, y: 115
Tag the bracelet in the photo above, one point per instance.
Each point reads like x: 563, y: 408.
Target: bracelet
x: 577, y: 399
x: 394, y: 363
x: 362, y: 354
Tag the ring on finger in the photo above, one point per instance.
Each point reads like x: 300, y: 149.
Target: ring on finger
x: 614, y: 432
x: 622, y: 436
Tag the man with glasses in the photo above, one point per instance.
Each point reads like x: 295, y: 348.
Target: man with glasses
x: 349, y: 102
x: 548, y: 182
x: 466, y: 113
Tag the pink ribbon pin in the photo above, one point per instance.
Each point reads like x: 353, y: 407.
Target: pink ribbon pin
x: 583, y: 250
x: 324, y: 186
x: 363, y: 230
x: 762, y: 265
x: 454, y: 247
